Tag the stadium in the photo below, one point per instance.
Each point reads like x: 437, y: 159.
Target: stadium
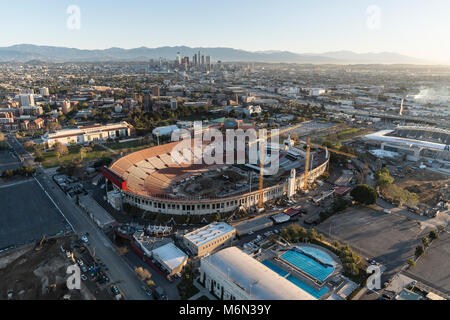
x: 416, y: 142
x: 150, y: 179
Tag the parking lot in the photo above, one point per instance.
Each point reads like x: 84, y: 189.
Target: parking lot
x: 390, y: 239
x: 432, y: 269
x: 93, y: 270
x: 8, y: 161
x: 27, y: 214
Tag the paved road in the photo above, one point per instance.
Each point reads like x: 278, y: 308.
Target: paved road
x: 119, y: 271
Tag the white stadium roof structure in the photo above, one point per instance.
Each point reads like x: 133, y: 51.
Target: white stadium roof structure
x: 257, y: 280
x: 382, y: 136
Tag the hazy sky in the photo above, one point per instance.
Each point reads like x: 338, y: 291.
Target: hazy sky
x: 419, y: 28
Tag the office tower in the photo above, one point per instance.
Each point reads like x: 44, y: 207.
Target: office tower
x: 195, y: 60
x: 66, y: 106
x: 208, y: 63
x: 203, y: 60
x: 178, y: 61
x: 44, y: 92
x: 173, y: 104
x: 26, y: 100
x: 155, y: 91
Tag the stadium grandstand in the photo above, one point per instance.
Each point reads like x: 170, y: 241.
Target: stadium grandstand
x: 149, y: 178
x: 415, y: 142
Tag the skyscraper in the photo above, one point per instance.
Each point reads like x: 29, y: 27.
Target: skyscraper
x: 44, y: 92
x: 155, y: 91
x: 26, y: 100
x: 208, y: 63
x: 66, y: 106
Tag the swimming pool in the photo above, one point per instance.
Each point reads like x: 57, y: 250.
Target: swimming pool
x: 312, y: 291
x: 314, y: 262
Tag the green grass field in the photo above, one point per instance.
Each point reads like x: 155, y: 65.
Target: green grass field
x: 98, y: 152
x: 51, y: 160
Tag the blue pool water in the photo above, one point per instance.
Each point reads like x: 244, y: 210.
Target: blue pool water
x: 308, y: 264
x: 312, y: 291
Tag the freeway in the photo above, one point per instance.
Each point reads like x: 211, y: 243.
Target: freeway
x: 119, y: 271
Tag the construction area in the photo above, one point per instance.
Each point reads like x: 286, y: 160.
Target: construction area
x: 431, y: 187
x: 38, y: 272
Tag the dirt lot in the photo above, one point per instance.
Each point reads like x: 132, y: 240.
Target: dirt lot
x: 30, y: 274
x: 428, y: 185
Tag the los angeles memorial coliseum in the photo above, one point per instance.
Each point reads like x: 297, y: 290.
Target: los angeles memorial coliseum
x: 149, y: 179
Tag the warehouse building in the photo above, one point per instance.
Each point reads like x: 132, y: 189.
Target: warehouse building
x: 170, y: 258
x: 233, y: 275
x: 204, y: 241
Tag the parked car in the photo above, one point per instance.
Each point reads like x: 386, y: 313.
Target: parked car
x: 84, y: 239
x: 115, y: 290
x: 147, y: 290
x: 160, y: 294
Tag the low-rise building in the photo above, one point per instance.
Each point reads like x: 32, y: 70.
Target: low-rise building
x: 203, y: 241
x: 171, y: 258
x: 86, y: 134
x: 233, y: 275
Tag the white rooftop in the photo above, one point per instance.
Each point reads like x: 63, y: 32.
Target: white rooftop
x: 382, y: 137
x: 257, y: 280
x: 170, y: 255
x: 210, y: 232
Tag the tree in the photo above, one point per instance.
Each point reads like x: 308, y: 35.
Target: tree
x: 29, y: 145
x: 434, y: 235
x: 425, y: 241
x: 8, y: 173
x: 383, y: 178
x: 420, y: 250
x: 60, y: 149
x: 364, y: 194
x: 411, y: 263
x: 340, y: 204
x: 312, y: 234
x: 83, y: 152
x: 400, y: 195
x: 38, y: 156
x: 72, y: 122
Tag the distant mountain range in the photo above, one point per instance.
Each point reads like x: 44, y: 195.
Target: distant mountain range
x: 27, y: 52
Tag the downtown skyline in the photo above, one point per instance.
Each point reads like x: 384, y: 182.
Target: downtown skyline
x: 413, y: 28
